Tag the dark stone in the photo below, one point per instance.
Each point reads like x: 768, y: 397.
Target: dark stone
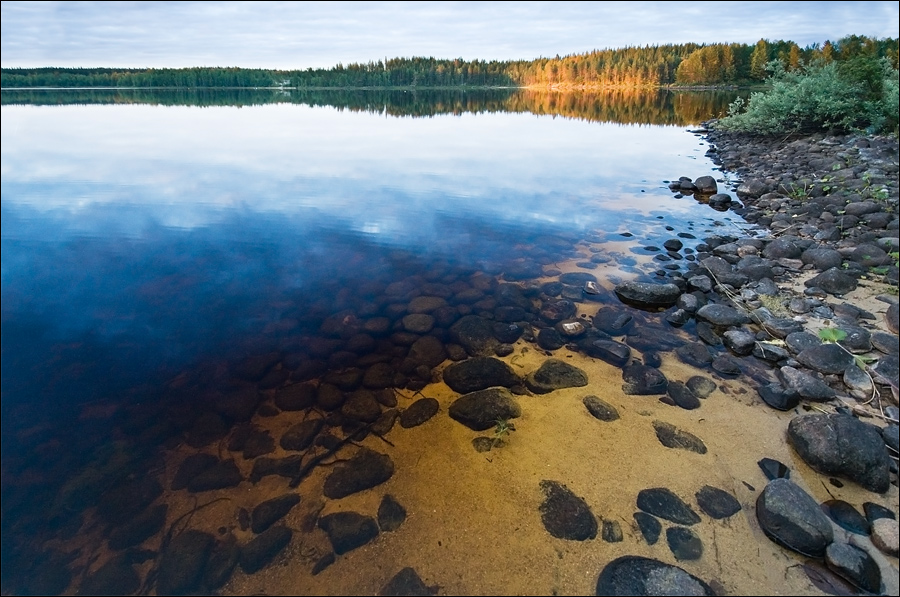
x: 298, y: 396
x: 875, y: 511
x: 806, y: 385
x: 391, y: 514
x: 611, y: 531
x: 418, y: 412
x: 773, y: 469
x: 554, y: 374
x: 672, y: 437
x: 740, y: 341
x: 822, y: 258
x: 641, y: 380
x: 258, y: 443
x: 839, y: 444
x: 663, y: 503
x: 635, y: 575
x: 717, y: 503
x: 190, y: 467
x: 791, y: 517
x: 779, y: 397
x: 701, y: 386
x: 781, y: 327
x: 219, y: 476
x: 329, y: 396
x: 722, y: 315
x: 706, y: 333
x: 833, y: 281
x: 348, y: 530
x: 684, y: 543
x: 366, y: 469
x: 550, y: 339
x: 479, y: 373
x: 428, y: 350
x: 475, y: 334
x: 271, y: 511
x: 116, y: 577
x: 139, y: 529
x: 609, y: 351
x: 797, y: 342
x: 263, y: 548
x: 378, y: 376
x: 556, y: 310
x: 300, y: 436
x: 406, y: 582
x: 288, y: 467
x: 238, y: 404
x: 481, y: 410
x: 182, y: 563
x: 223, y: 559
x: 846, y: 516
x: 682, y: 396
x: 726, y: 366
x: 612, y: 321
x: 647, y: 295
x: 599, y: 409
x: 361, y: 405
x: 121, y: 503
x: 695, y: 354
x: 649, y: 525
x: 854, y: 565
x: 565, y: 515
x: 577, y: 278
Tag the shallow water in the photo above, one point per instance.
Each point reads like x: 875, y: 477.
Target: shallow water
x: 159, y: 260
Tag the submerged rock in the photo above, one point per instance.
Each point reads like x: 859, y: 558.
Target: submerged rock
x: 554, y: 374
x: 565, y: 515
x: 635, y: 575
x: 791, y: 517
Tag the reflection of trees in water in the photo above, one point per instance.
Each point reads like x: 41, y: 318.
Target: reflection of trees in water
x: 625, y: 106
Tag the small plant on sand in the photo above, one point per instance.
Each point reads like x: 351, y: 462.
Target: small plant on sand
x: 501, y: 431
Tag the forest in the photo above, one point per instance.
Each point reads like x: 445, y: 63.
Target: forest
x: 673, y: 65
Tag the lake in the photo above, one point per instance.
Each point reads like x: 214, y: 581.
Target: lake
x: 204, y: 293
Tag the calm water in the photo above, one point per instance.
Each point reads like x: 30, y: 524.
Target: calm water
x: 146, y: 241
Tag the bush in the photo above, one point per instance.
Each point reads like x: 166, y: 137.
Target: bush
x: 837, y: 97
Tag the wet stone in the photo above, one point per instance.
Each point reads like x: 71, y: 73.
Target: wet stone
x: 647, y: 295
x: 701, y: 386
x: 695, y: 354
x: 663, y: 503
x: 875, y: 511
x: 773, y: 469
x: 854, y: 565
x: 717, y: 503
x: 475, y: 334
x: 846, y: 516
x: 649, y: 526
x: 121, y: 503
x: 806, y: 385
x: 479, y: 373
x: 140, y: 528
x: 406, y: 582
x: 271, y: 511
x: 329, y: 396
x: 378, y: 376
x: 554, y: 374
x: 295, y: 397
x: 283, y: 467
x: 183, y: 561
x: 348, y: 530
x: 768, y: 351
x: 611, y: 531
x: 635, y: 575
x: 682, y: 396
x: 550, y: 339
x: 301, y: 435
x: 641, y: 380
x: 391, y: 514
x: 508, y: 333
x: 740, y: 341
x: 565, y: 515
x: 608, y: 351
x: 419, y: 412
x: 725, y: 365
x: 799, y: 341
x: 779, y: 397
x: 223, y: 559
x: 222, y: 475
x: 672, y: 437
x: 480, y: 410
x: 258, y: 443
x: 722, y: 315
x: 364, y: 470
x: 599, y: 409
x: 263, y: 548
x: 116, y: 577
x: 886, y: 536
x: 706, y: 333
x: 190, y: 467
x: 792, y: 518
x: 684, y: 543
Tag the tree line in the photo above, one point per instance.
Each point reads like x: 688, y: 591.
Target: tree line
x: 648, y: 66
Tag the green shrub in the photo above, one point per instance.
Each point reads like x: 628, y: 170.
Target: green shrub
x: 837, y: 97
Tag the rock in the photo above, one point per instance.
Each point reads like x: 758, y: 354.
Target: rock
x: 565, y: 515
x: 556, y: 310
x: 366, y: 469
x: 833, y: 281
x: 839, y: 444
x: 428, y: 350
x: 139, y: 529
x: 717, y: 503
x: 479, y: 373
x: 886, y: 536
x: 221, y: 475
x: 641, y: 380
x: 269, y: 512
x: 663, y: 503
x: 550, y: 339
x: 475, y: 334
x: 391, y: 514
x: 125, y: 501
x: 115, y: 577
x: 875, y: 511
x: 182, y: 563
x: 797, y: 342
x: 646, y: 295
x: 609, y: 351
x: 791, y: 517
x: 827, y: 358
x: 649, y: 525
x: 682, y: 396
x: 739, y: 341
x: 778, y: 396
x: 635, y: 575
x: 846, y: 516
x: 599, y: 409
x: 706, y: 185
x: 418, y: 412
x: 298, y: 396
x: 684, y: 543
x: 481, y: 410
x: 554, y: 374
x: 672, y: 437
x: 611, y: 531
x: 223, y: 559
x: 348, y: 530
x: 263, y: 548
x: 822, y: 258
x: 190, y: 467
x: 773, y: 469
x: 300, y: 436
x: 406, y: 582
x: 806, y: 385
x: 288, y: 467
x: 694, y: 353
x: 854, y: 565
x: 722, y: 315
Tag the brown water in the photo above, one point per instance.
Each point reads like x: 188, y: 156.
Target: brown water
x: 148, y: 251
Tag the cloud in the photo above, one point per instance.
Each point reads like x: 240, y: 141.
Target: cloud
x: 321, y: 34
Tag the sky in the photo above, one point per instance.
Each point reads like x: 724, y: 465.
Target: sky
x: 300, y: 35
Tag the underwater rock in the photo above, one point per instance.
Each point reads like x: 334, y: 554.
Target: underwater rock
x: 565, y: 515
